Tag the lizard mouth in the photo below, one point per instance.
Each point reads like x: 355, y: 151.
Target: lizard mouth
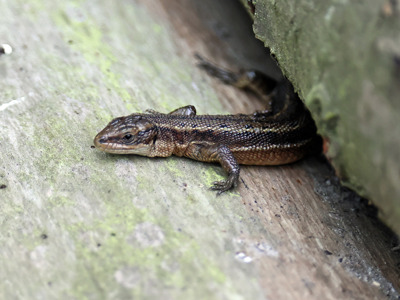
x: 110, y: 147
x: 104, y: 144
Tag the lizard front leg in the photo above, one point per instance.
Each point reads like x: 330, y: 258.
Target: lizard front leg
x: 211, y: 152
x: 188, y: 110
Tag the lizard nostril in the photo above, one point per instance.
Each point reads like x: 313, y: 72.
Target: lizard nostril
x: 102, y: 140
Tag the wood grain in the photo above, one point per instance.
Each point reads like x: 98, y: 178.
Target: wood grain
x: 80, y: 224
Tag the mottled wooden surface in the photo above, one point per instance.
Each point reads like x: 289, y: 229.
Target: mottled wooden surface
x: 80, y: 224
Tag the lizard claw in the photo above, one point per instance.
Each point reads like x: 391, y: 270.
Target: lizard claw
x: 224, y: 185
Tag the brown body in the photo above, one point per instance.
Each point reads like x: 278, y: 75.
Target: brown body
x: 282, y: 135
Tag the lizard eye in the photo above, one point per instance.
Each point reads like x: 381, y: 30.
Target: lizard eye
x: 127, y: 137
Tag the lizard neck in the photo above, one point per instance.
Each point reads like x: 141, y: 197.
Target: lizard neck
x: 171, y: 140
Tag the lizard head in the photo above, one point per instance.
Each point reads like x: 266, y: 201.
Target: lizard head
x: 132, y: 134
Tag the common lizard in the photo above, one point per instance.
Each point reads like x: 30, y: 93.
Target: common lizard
x: 280, y: 135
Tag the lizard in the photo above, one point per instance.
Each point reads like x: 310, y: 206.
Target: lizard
x: 282, y: 134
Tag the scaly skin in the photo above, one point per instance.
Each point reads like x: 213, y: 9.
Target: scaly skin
x: 283, y: 134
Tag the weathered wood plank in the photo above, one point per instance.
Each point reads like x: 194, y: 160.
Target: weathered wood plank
x: 80, y: 224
